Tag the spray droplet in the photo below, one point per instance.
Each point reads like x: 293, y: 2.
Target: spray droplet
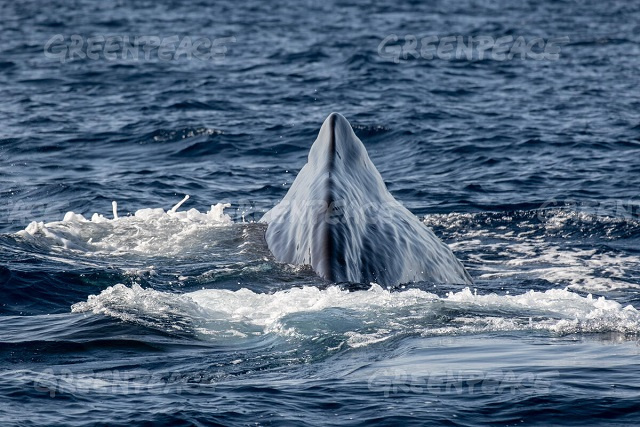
x: 175, y: 208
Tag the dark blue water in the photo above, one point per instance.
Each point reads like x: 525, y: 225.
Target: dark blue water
x: 529, y: 169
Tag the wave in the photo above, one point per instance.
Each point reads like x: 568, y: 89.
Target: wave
x: 359, y: 318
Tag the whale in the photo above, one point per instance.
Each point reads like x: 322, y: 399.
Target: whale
x: 339, y: 218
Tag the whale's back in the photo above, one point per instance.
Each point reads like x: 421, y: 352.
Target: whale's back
x: 339, y: 217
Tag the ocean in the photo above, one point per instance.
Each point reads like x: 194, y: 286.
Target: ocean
x: 511, y: 129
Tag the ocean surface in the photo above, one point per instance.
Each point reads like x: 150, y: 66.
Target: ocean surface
x: 148, y: 312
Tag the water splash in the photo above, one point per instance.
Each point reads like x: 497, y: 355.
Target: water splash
x: 362, y: 317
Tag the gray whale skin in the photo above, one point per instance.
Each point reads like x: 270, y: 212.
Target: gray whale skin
x: 339, y: 218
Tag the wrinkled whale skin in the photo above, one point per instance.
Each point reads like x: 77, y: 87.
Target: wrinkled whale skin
x: 339, y: 218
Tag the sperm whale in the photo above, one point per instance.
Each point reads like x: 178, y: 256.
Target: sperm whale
x: 339, y: 218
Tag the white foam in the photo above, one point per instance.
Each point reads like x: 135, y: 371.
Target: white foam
x: 514, y: 247
x: 147, y: 307
x: 149, y: 231
x: 529, y: 248
x: 580, y: 269
x: 363, y: 317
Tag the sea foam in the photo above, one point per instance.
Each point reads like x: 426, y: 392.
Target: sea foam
x: 361, y: 317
